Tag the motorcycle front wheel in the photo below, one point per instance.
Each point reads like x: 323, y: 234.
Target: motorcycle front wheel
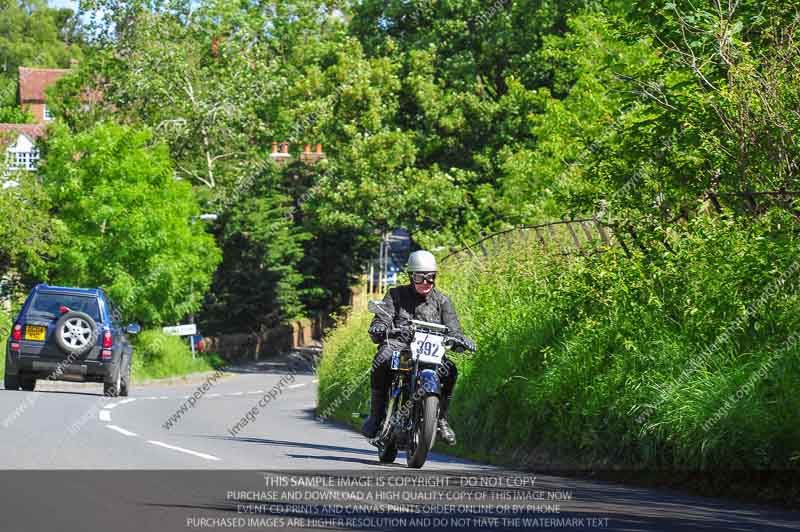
x: 424, y: 432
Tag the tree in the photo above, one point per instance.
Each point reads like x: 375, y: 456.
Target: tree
x: 130, y: 224
x: 30, y: 237
x: 34, y: 35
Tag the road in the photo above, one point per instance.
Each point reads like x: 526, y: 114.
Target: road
x: 74, y: 459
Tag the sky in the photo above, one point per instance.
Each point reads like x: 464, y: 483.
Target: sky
x: 64, y: 3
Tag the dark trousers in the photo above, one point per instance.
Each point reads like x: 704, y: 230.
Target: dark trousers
x: 381, y: 371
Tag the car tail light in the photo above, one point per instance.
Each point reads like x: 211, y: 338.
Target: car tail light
x: 105, y: 354
x: 14, y: 346
x: 107, y: 340
x: 17, y: 333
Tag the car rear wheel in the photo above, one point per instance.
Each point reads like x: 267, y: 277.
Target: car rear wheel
x: 11, y: 382
x: 114, y: 388
x: 27, y: 383
x: 125, y: 380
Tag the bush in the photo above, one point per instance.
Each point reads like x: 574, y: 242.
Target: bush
x: 157, y: 355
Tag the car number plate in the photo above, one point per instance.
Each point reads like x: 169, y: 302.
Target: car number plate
x: 34, y: 333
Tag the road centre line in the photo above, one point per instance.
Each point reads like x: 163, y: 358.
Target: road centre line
x: 121, y: 430
x: 297, y: 385
x: 236, y: 393
x: 182, y: 450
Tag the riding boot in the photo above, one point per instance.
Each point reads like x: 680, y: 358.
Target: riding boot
x: 377, y: 408
x: 447, y: 434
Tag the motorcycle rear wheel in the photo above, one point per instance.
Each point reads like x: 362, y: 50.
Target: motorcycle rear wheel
x: 424, y: 433
x: 387, y: 451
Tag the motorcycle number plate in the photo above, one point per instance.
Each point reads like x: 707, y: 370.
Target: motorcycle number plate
x: 427, y: 348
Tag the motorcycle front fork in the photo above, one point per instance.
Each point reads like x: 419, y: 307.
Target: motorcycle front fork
x: 395, y: 415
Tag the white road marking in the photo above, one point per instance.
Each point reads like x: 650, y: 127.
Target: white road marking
x: 115, y: 405
x: 214, y: 395
x: 182, y: 450
x: 105, y: 415
x: 297, y: 385
x: 236, y: 393
x: 121, y: 430
x: 255, y: 392
x: 126, y: 401
x: 163, y: 397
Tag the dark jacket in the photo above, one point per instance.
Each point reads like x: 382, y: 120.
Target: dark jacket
x: 405, y: 304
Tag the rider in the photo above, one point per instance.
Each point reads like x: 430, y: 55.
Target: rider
x: 418, y: 300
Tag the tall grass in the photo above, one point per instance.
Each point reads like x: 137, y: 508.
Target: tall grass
x: 596, y: 360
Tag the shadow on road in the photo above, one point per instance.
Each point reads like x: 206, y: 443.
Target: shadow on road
x: 616, y: 509
x: 372, y: 453
x: 77, y: 391
x: 289, y: 363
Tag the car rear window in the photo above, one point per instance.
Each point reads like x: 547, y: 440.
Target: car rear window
x: 49, y: 303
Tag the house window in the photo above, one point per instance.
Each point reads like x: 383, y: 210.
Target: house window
x: 47, y: 116
x: 23, y: 160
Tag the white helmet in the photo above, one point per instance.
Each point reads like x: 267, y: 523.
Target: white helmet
x: 421, y: 261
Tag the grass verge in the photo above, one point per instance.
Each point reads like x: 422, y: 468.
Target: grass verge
x: 158, y: 356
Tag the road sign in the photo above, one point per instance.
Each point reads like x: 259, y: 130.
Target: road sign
x: 181, y: 330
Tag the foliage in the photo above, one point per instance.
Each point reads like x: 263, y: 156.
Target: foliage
x: 34, y: 35
x: 15, y: 115
x: 130, y: 224
x: 624, y: 362
x: 157, y: 355
x: 29, y: 236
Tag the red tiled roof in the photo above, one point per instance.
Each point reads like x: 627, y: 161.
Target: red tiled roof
x: 9, y: 132
x: 34, y: 81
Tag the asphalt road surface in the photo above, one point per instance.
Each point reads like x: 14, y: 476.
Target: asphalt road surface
x: 245, y: 451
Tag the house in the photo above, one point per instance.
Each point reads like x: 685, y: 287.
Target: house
x: 19, y: 140
x: 20, y: 144
x: 32, y: 85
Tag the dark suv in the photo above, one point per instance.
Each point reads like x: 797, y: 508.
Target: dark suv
x: 70, y: 334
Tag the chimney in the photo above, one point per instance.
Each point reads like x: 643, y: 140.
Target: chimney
x: 281, y: 156
x: 307, y: 156
x: 310, y: 157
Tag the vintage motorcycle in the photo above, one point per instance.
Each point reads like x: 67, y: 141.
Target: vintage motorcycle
x: 412, y: 409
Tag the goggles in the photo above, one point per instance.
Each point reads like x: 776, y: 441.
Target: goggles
x: 419, y: 278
